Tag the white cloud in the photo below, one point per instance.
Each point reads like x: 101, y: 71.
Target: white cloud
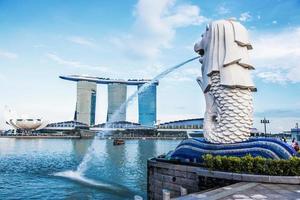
x: 184, y: 15
x: 76, y: 64
x: 222, y: 10
x: 149, y: 71
x: 177, y: 77
x: 274, y: 22
x: 3, y: 77
x: 39, y: 46
x: 8, y: 55
x: 184, y: 75
x: 277, y: 124
x: 277, y: 55
x: 272, y: 76
x: 81, y: 41
x: 189, y: 73
x: 155, y: 26
x: 245, y: 17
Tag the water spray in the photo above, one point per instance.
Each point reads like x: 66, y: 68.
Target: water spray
x: 78, y: 174
x: 88, y: 156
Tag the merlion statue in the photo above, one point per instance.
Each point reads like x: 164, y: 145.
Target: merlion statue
x: 227, y: 87
x: 226, y: 81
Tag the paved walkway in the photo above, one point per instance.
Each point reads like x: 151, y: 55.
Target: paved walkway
x: 248, y: 191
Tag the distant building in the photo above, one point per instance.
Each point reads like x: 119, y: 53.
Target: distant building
x: 147, y: 106
x: 26, y: 125
x: 254, y: 132
x: 117, y: 95
x: 121, y: 125
x: 124, y: 129
x: 295, y: 132
x: 86, y: 102
x: 196, y: 123
x: 66, y: 125
x: 67, y: 128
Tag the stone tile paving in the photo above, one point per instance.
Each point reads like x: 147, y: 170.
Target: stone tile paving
x: 249, y: 191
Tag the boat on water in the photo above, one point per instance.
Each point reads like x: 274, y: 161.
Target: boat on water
x: 118, y: 142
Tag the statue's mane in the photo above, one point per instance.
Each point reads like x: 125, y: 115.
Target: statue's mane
x: 227, y: 47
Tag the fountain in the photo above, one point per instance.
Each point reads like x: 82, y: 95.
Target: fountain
x: 79, y: 174
x: 227, y: 153
x: 83, y: 165
x: 227, y: 87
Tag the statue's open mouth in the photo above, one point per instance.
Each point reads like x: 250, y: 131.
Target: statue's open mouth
x: 200, y: 52
x: 198, y: 48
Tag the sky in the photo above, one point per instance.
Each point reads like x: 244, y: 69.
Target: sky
x: 40, y: 40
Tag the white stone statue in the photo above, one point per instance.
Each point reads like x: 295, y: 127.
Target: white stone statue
x: 226, y: 81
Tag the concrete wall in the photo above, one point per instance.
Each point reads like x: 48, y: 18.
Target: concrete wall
x: 147, y: 106
x: 162, y: 175
x: 117, y: 94
x: 170, y: 176
x: 84, y: 111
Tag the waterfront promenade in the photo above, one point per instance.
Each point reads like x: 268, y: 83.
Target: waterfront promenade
x: 246, y: 190
x: 202, y: 183
x: 90, y: 137
x: 41, y: 136
x: 57, y: 136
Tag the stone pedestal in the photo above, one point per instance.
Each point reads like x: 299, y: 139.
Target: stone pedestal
x: 164, y: 175
x: 174, y: 177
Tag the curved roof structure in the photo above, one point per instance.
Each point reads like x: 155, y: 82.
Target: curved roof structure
x: 100, y: 80
x: 183, y: 121
x: 122, y: 124
x: 27, y: 124
x: 71, y: 123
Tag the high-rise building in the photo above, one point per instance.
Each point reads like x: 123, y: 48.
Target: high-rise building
x: 117, y: 94
x: 147, y: 106
x: 86, y: 102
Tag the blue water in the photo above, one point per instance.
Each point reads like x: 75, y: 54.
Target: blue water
x: 29, y: 168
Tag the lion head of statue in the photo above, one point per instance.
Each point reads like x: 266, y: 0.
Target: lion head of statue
x: 224, y: 48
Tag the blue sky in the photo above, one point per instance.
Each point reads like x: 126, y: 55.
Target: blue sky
x: 40, y: 40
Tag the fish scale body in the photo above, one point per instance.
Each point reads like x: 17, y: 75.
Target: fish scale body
x: 235, y: 113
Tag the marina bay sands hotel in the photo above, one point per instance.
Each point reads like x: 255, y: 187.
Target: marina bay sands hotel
x: 117, y: 94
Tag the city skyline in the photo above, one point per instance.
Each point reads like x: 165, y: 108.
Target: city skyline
x: 138, y: 39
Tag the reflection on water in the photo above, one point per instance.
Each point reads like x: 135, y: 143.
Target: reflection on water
x: 80, y: 147
x: 27, y: 167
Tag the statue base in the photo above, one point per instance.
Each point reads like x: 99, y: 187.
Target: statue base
x: 192, y: 150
